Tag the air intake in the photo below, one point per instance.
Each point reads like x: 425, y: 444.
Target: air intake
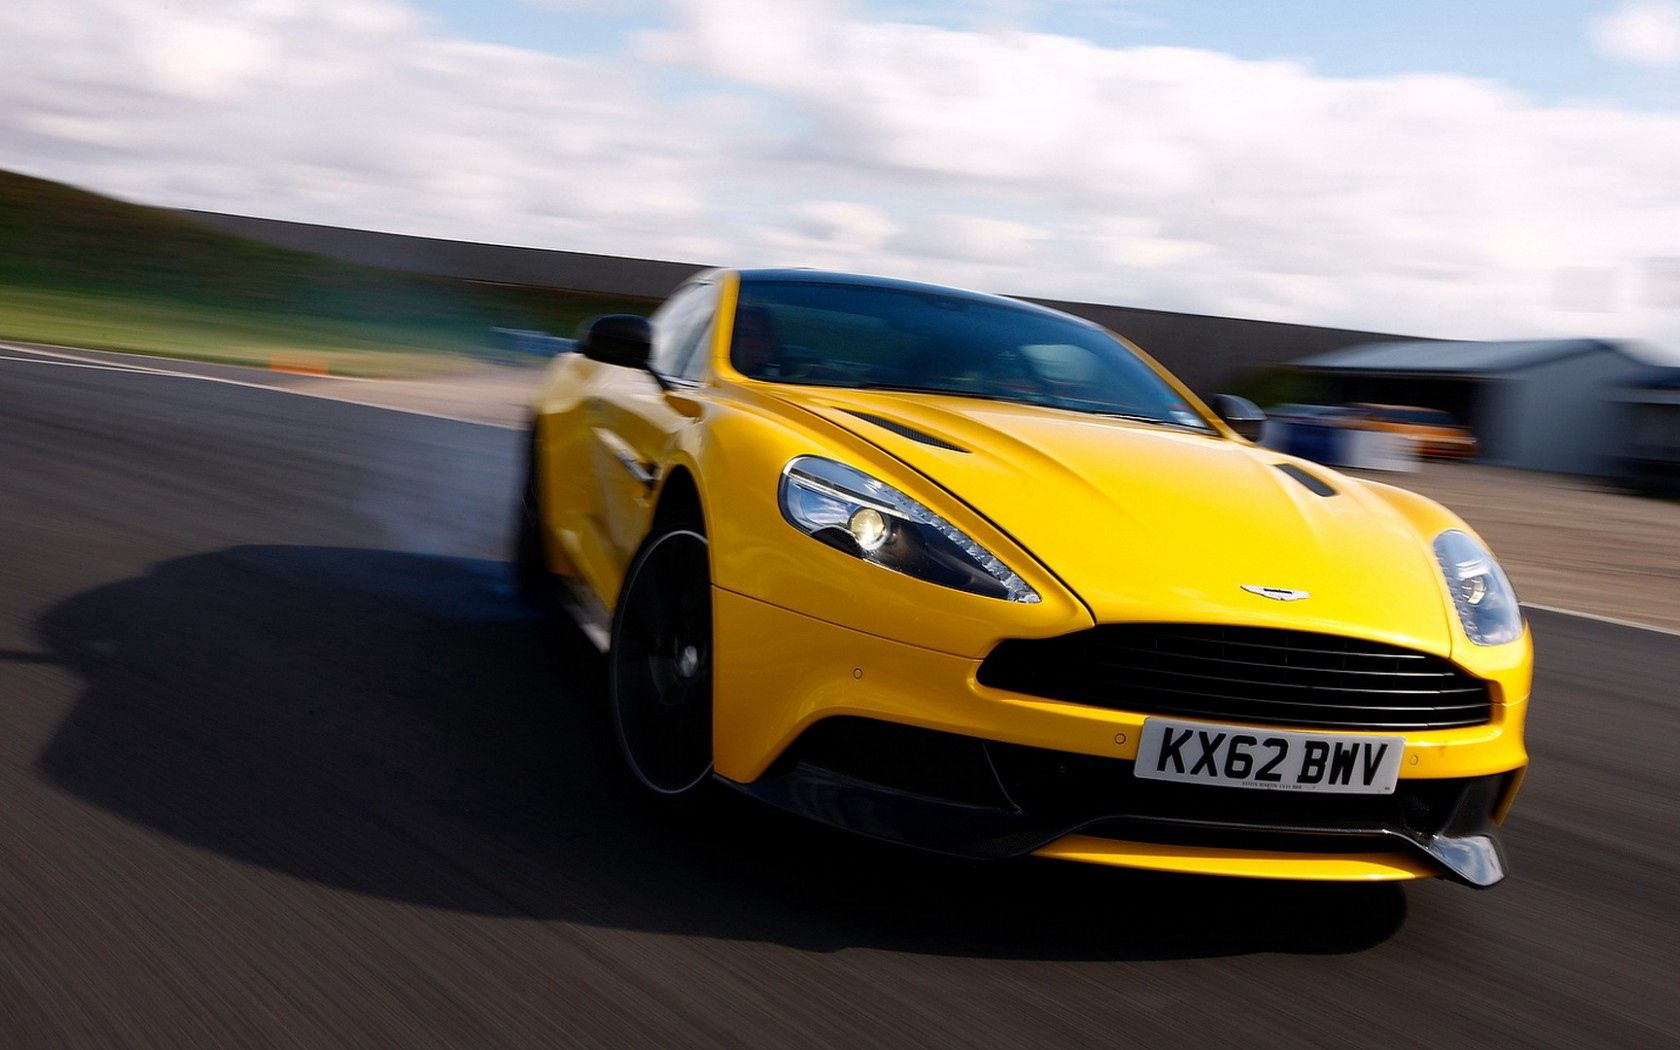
x: 1315, y: 484
x: 906, y: 431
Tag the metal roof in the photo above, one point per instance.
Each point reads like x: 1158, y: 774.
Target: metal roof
x: 1453, y: 358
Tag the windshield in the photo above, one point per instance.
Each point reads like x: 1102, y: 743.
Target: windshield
x: 906, y: 339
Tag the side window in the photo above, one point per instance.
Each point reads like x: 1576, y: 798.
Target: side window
x: 692, y: 351
x: 673, y: 323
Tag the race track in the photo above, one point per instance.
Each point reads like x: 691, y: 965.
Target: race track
x: 283, y: 763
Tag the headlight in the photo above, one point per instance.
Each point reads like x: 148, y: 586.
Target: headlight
x: 851, y: 511
x: 1487, y: 606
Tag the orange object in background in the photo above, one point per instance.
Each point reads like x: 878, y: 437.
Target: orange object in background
x: 299, y: 364
x: 1436, y: 434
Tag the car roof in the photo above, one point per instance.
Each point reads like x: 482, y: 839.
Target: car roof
x: 797, y: 275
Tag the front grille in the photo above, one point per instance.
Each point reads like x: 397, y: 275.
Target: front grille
x: 1243, y: 674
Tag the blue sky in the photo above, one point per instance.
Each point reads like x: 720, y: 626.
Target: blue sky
x: 1540, y: 47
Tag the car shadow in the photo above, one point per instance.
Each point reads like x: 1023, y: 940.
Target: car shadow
x: 400, y: 725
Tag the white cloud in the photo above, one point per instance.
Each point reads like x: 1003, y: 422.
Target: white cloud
x: 973, y: 238
x: 841, y: 222
x: 346, y: 111
x: 1190, y: 179
x: 1642, y: 31
x: 798, y: 132
x: 205, y: 59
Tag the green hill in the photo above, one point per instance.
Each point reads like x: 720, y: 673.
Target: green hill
x: 80, y: 269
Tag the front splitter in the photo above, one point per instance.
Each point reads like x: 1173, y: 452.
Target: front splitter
x: 1469, y: 855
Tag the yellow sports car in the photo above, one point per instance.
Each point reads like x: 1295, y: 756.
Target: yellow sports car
x: 979, y: 577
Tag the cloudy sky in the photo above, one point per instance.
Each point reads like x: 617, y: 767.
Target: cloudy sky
x: 1499, y: 168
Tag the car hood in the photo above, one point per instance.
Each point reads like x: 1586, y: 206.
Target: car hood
x: 1145, y: 522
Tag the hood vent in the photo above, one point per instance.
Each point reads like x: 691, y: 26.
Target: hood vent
x: 905, y: 431
x: 1314, y: 484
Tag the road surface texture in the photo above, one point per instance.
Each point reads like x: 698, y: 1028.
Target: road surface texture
x: 283, y: 763
x: 485, y: 392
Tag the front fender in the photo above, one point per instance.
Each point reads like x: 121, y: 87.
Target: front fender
x: 1511, y: 666
x: 737, y: 456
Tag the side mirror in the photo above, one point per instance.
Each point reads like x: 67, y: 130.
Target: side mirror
x: 617, y: 339
x: 1240, y: 414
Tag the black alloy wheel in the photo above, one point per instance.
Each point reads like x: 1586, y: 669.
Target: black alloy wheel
x: 661, y: 663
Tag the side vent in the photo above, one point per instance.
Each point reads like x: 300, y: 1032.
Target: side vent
x: 906, y: 432
x: 1316, y: 485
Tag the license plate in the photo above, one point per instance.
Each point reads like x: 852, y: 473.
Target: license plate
x: 1271, y: 759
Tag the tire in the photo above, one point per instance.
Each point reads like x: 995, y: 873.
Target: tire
x: 531, y: 576
x: 660, y: 663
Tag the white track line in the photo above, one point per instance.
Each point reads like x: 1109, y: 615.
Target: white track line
x: 60, y: 360
x: 136, y: 362
x: 1635, y: 624
x: 101, y: 366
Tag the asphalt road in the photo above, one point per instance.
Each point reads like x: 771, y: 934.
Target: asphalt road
x: 283, y: 763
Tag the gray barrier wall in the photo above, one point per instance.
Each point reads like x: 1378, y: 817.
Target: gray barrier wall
x: 464, y: 260
x: 1206, y: 352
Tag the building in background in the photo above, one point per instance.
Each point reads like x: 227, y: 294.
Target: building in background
x: 1652, y: 411
x: 1555, y: 404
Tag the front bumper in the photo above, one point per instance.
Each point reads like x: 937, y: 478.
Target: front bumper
x: 989, y: 774
x: 983, y: 800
